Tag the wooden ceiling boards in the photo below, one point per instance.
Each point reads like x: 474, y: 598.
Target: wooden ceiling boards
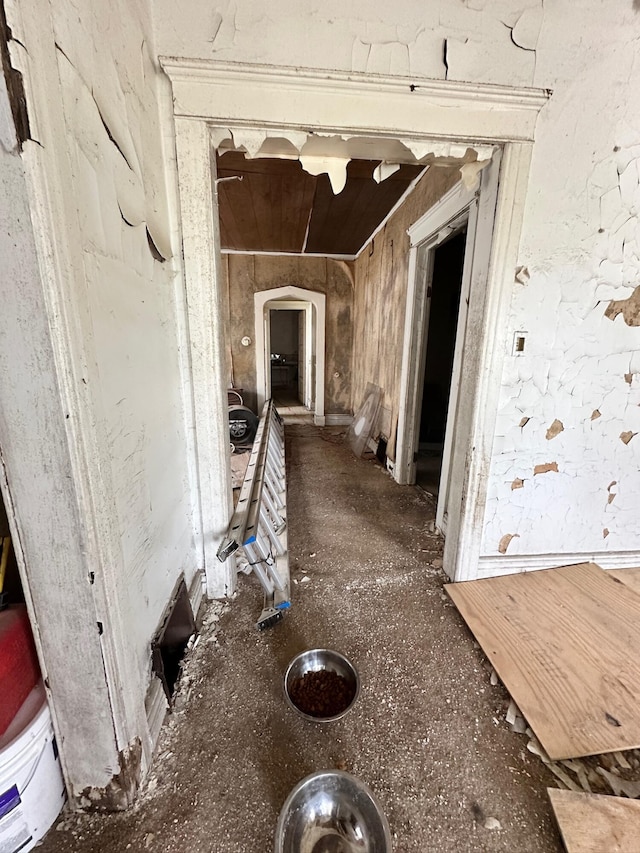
x: 278, y: 207
x: 566, y: 644
x: 268, y: 210
x: 342, y: 224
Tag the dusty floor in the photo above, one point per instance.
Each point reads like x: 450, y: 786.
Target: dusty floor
x: 427, y: 734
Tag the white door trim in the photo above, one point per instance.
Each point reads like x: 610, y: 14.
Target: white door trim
x: 433, y: 115
x: 265, y: 353
x: 370, y: 104
x: 207, y: 336
x: 488, y: 322
x: 469, y: 217
x: 424, y: 236
x: 315, y: 351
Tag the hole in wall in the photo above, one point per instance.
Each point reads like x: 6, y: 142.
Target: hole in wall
x: 170, y: 642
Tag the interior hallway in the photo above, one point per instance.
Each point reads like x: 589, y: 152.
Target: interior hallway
x: 427, y: 734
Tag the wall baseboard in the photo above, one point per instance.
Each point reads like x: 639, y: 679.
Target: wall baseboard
x: 338, y: 420
x: 491, y: 566
x: 156, y: 706
x: 196, y: 592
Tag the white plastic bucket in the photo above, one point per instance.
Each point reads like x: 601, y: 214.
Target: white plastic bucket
x: 31, y: 786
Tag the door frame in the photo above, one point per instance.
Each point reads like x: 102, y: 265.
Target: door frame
x: 314, y: 305
x: 211, y: 99
x: 430, y: 231
x: 307, y: 309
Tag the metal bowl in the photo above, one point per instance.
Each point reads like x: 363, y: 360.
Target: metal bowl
x: 315, y: 660
x: 332, y: 812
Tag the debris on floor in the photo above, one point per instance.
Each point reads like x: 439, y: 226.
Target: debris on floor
x: 420, y: 735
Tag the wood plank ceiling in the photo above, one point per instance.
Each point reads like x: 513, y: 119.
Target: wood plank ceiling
x: 278, y: 207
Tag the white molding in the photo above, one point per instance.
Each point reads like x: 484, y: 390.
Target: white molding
x: 405, y: 195
x: 462, y: 549
x: 196, y: 592
x: 338, y: 420
x: 295, y: 294
x: 475, y: 266
x: 494, y: 566
x: 203, y: 280
x: 182, y: 319
x: 424, y: 235
x: 156, y: 706
x: 450, y: 206
x: 374, y: 104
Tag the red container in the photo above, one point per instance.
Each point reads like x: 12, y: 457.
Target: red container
x: 19, y: 669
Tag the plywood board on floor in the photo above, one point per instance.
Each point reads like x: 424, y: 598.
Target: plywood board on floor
x: 566, y: 644
x: 631, y: 577
x: 593, y: 823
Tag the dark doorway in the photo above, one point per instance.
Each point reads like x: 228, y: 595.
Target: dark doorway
x: 444, y: 298
x: 286, y: 327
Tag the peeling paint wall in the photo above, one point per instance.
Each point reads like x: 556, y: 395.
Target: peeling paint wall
x: 249, y: 274
x: 575, y: 289
x: 380, y: 274
x: 490, y: 40
x: 35, y: 474
x: 91, y: 82
x: 570, y: 404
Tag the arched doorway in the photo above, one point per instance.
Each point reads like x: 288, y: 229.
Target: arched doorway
x: 309, y: 364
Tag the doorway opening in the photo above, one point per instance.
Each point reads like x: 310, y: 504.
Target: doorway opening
x: 299, y: 375
x: 443, y: 295
x: 287, y: 345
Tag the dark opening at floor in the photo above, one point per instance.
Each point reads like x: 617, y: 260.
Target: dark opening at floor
x: 445, y: 287
x: 287, y: 343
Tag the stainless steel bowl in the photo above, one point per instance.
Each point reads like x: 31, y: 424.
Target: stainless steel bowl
x: 332, y: 812
x: 315, y: 660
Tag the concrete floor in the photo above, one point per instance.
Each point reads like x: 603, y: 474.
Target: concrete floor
x: 427, y: 734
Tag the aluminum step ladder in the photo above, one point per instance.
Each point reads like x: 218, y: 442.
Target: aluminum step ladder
x: 257, y: 533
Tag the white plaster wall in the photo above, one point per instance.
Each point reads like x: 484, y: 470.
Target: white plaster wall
x: 104, y: 233
x: 581, y: 248
x: 108, y: 82
x: 36, y: 476
x: 580, y: 236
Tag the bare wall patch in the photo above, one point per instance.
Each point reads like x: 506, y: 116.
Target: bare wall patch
x: 506, y: 541
x: 629, y: 308
x: 555, y: 429
x: 15, y: 88
x: 545, y: 468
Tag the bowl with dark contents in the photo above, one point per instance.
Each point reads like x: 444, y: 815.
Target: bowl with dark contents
x: 321, y: 685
